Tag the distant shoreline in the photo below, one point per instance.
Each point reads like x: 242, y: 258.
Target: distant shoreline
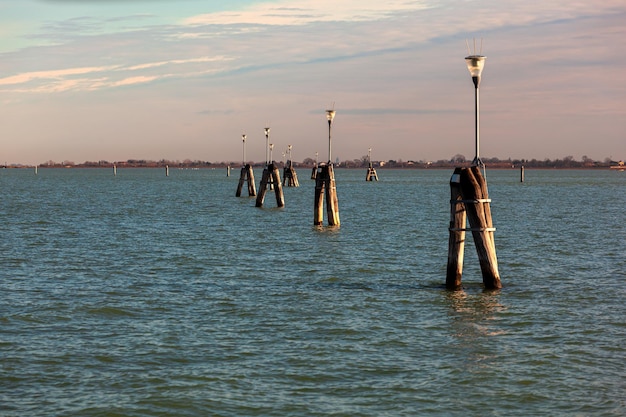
x: 301, y: 166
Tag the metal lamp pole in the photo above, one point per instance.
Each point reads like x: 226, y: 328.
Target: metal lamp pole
x: 330, y: 115
x: 267, y: 141
x: 243, y: 137
x: 475, y: 64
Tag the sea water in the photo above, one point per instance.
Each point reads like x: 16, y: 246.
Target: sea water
x: 140, y: 294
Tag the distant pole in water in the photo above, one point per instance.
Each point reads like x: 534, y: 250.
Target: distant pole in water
x: 325, y: 186
x: 290, y: 177
x: 114, y: 170
x: 270, y: 180
x: 246, y: 175
x: 167, y: 170
x: 35, y: 169
x: 371, y: 172
x: 521, y: 173
x: 228, y: 171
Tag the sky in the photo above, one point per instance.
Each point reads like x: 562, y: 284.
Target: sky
x: 90, y: 80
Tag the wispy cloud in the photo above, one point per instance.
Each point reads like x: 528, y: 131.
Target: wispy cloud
x: 308, y: 11
x: 103, y: 77
x: 51, y: 75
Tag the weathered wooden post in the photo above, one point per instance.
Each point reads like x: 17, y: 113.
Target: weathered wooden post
x: 521, y: 174
x: 167, y: 170
x: 228, y: 171
x: 456, y: 242
x: 246, y: 175
x: 469, y: 197
x: 114, y: 170
x: 270, y: 179
x: 290, y: 178
x: 476, y: 199
x: 371, y: 172
x: 325, y: 186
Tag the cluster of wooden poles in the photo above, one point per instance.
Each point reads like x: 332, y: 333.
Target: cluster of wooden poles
x: 325, y: 188
x: 469, y: 201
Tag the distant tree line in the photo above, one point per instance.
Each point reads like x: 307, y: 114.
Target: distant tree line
x: 363, y: 162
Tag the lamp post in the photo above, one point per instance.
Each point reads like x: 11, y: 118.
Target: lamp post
x: 330, y: 115
x: 475, y: 64
x: 267, y: 141
x: 271, y: 149
x: 369, y: 156
x: 243, y: 138
x: 289, y: 152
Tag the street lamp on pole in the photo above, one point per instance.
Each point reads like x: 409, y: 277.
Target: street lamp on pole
x: 475, y: 64
x: 271, y: 149
x: 267, y: 141
x: 330, y: 115
x: 243, y: 137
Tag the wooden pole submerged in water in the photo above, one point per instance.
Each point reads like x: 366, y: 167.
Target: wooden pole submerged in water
x: 290, y: 177
x: 246, y: 176
x: 325, y: 186
x: 270, y: 179
x: 371, y: 172
x: 456, y: 242
x: 469, y: 188
x: 521, y: 174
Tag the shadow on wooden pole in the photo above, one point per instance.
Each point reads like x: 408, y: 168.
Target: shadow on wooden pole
x: 456, y: 242
x: 475, y: 199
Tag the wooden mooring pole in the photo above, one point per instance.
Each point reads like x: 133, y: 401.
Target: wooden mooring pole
x: 521, y: 173
x: 469, y: 198
x: 290, y: 178
x: 325, y: 186
x: 456, y: 242
x: 270, y: 179
x: 371, y: 174
x: 247, y: 175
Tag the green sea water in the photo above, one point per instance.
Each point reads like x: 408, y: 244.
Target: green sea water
x: 145, y: 295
